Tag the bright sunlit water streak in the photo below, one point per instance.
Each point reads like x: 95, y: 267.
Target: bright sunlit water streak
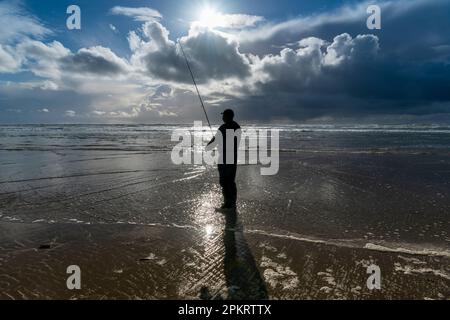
x: 209, y: 229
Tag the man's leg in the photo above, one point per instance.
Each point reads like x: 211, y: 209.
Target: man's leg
x: 232, y: 185
x: 223, y: 182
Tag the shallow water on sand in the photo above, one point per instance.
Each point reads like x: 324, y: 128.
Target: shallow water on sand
x: 344, y: 197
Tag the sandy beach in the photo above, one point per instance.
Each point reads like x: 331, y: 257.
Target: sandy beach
x: 167, y: 262
x: 140, y: 227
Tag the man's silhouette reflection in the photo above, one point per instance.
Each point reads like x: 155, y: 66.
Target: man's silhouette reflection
x: 242, y: 276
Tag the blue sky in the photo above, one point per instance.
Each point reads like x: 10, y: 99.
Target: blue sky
x: 289, y: 61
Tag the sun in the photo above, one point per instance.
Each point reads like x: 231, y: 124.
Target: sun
x: 209, y: 17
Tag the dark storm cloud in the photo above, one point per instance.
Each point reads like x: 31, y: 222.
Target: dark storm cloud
x: 351, y: 77
x: 209, y: 48
x: 331, y: 64
x: 212, y: 56
x: 86, y: 62
x: 402, y: 69
x: 408, y: 27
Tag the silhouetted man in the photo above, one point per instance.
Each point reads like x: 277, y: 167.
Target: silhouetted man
x: 227, y: 157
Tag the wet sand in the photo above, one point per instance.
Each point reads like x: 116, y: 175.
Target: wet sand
x: 167, y: 262
x: 140, y: 227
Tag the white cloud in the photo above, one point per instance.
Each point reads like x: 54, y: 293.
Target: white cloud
x: 48, y: 85
x: 306, y: 24
x: 32, y: 85
x: 345, y: 48
x: 45, y: 110
x: 240, y: 20
x: 307, y: 68
x: 17, y: 24
x: 139, y: 14
x: 166, y: 113
x: 113, y: 28
x: 8, y: 63
x: 134, y: 41
x: 40, y: 58
x: 228, y: 21
x: 70, y: 113
x: 54, y: 61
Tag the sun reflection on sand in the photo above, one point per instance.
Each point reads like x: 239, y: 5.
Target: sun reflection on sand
x: 206, y: 218
x: 209, y: 229
x: 209, y: 250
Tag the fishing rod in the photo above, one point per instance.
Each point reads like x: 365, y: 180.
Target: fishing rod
x: 195, y: 85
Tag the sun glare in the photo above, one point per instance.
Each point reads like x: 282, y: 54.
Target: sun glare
x: 209, y: 17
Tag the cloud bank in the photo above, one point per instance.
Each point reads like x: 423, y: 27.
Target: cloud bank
x: 322, y: 66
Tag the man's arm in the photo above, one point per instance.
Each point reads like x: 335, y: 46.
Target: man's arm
x: 213, y: 143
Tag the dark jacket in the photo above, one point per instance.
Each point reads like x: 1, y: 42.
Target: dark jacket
x: 221, y: 142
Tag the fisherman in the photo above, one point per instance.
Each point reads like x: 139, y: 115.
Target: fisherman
x: 227, y: 152
x: 227, y: 157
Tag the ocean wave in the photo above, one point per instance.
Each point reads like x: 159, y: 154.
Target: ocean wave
x: 408, y: 250
x: 386, y: 247
x: 404, y: 248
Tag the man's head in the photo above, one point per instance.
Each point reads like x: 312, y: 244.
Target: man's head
x: 227, y: 115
